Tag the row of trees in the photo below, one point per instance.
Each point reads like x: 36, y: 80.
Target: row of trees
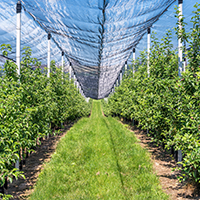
x: 30, y: 106
x: 167, y: 105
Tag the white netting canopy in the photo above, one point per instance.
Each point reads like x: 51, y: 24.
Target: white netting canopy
x: 97, y: 37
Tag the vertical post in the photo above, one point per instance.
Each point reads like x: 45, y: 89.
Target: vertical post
x: 133, y: 60
x: 184, y: 64
x: 77, y: 85
x: 133, y: 74
x: 62, y: 64
x: 17, y: 164
x: 120, y: 77
x: 126, y: 67
x: 79, y: 88
x: 74, y: 80
x: 184, y: 56
x: 148, y: 54
x: 180, y: 59
x: 18, y: 40
x: 180, y: 45
x: 49, y: 55
x: 148, y: 49
x: 49, y: 62
x: 62, y: 125
x: 18, y: 48
x: 70, y: 71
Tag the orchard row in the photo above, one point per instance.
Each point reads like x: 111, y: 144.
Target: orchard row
x: 164, y: 104
x: 31, y: 106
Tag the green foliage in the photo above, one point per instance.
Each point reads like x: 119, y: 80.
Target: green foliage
x: 5, y: 197
x: 165, y: 104
x: 191, y: 37
x: 30, y: 106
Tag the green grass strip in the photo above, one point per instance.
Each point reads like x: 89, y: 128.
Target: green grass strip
x: 98, y: 159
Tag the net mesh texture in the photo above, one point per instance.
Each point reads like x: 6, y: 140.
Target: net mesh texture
x: 97, y: 37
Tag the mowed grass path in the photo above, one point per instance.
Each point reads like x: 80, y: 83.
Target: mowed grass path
x: 98, y: 159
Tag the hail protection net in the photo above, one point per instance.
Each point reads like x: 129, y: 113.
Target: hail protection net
x: 97, y: 36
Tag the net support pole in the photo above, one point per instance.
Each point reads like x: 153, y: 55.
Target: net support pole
x: 126, y: 67
x: 70, y: 71
x: 180, y: 59
x: 62, y: 125
x: 148, y: 54
x: 49, y: 62
x: 18, y: 38
x: 120, y: 77
x: 74, y: 80
x: 184, y: 64
x: 49, y: 55
x: 133, y: 75
x: 133, y: 60
x: 18, y: 48
x: 17, y: 164
x: 77, y: 85
x: 148, y: 49
x: 62, y: 64
x: 180, y: 45
x: 184, y: 55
